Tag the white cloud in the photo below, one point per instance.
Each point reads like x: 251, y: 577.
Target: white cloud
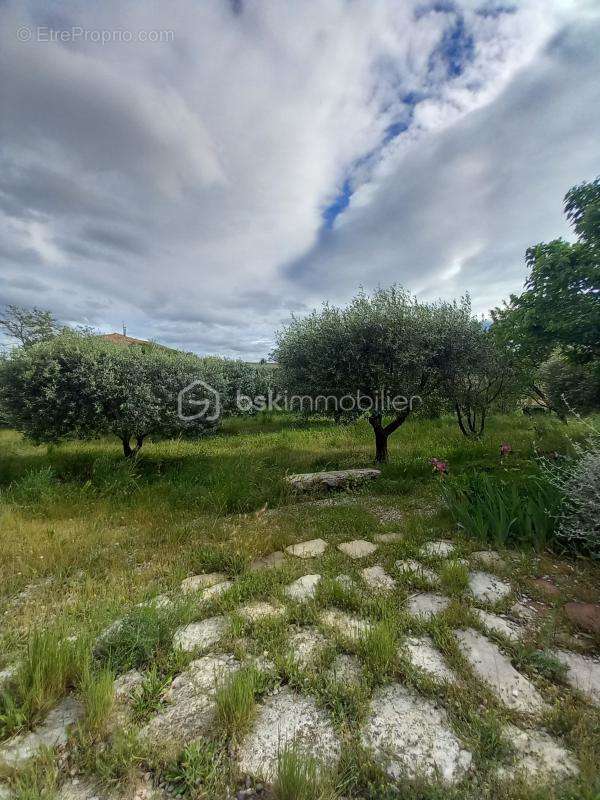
x: 180, y: 186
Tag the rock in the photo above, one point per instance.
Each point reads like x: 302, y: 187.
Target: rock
x: 427, y: 605
x: 53, y: 732
x: 287, y: 719
x: 346, y: 669
x: 496, y: 624
x: 8, y: 674
x: 346, y: 625
x: 487, y: 588
x: 538, y: 756
x: 272, y: 561
x: 489, y: 558
x: 546, y: 586
x: 495, y: 670
x: 359, y: 548
x: 583, y: 673
x: 338, y: 479
x: 216, y: 590
x: 310, y: 549
x: 423, y: 654
x: 377, y: 579
x: 191, y: 705
x: 125, y: 685
x: 161, y: 601
x: 584, y: 615
x: 200, y: 635
x: 305, y: 588
x: 388, y: 538
x: 411, y: 567
x: 438, y: 549
x: 411, y: 736
x: 523, y: 611
x: 346, y: 582
x: 205, y: 581
x: 5, y: 792
x: 305, y: 645
x: 256, y: 610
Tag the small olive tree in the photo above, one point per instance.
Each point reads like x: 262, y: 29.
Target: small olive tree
x: 75, y: 386
x: 378, y: 356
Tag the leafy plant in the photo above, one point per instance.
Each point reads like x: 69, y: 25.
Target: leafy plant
x: 519, y: 509
x: 199, y: 771
x: 137, y: 639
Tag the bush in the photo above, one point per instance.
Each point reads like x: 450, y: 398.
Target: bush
x: 81, y: 387
x: 514, y: 510
x: 569, y: 386
x: 580, y: 484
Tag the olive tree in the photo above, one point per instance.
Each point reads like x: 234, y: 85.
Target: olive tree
x: 75, y: 386
x: 379, y: 356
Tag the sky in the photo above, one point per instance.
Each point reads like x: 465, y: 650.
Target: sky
x: 203, y: 170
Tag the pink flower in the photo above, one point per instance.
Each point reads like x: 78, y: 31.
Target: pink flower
x: 505, y: 449
x: 441, y: 467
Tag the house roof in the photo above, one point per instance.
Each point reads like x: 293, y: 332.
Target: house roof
x: 119, y: 338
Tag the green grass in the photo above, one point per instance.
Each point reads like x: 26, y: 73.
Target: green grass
x: 300, y: 776
x: 88, y: 536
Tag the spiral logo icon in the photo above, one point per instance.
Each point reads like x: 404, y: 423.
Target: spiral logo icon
x: 24, y: 34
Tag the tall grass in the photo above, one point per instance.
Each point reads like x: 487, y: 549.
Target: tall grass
x: 516, y: 510
x: 300, y: 776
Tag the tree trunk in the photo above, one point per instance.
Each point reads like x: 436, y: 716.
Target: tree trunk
x: 128, y: 450
x: 383, y: 433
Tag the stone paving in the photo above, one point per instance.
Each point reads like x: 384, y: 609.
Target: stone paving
x: 409, y: 733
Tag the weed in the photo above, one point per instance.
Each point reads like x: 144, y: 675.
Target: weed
x: 199, y: 771
x: 378, y: 649
x: 454, y: 577
x: 147, y: 696
x: 300, y: 776
x: 137, y: 639
x: 97, y: 693
x: 236, y: 700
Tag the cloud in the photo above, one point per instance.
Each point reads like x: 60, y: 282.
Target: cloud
x: 272, y: 154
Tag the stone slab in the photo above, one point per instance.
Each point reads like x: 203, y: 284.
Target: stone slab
x: 359, y: 548
x: 538, y: 756
x: 388, y: 538
x: 259, y: 609
x: 287, y: 719
x: 487, y: 588
x: 306, y: 645
x: 426, y: 605
x: 377, y: 579
x: 335, y: 479
x: 310, y: 549
x: 496, y: 624
x: 410, y: 567
x: 583, y: 673
x: 411, y: 737
x: 494, y: 669
x: 200, y: 635
x: 305, y: 588
x: 198, y: 582
x: 423, y: 654
x: 274, y: 560
x: 438, y: 549
x: 346, y: 625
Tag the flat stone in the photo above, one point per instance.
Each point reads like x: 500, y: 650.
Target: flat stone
x: 258, y: 609
x: 487, y: 588
x: 489, y: 558
x: 346, y: 582
x: 200, y: 635
x: 538, y: 756
x: 305, y: 588
x: 359, y: 548
x: 125, y: 685
x: 8, y: 674
x: 583, y: 673
x: 216, y: 590
x: 336, y: 479
x: 427, y: 605
x: 523, y: 611
x: 190, y: 710
x: 287, y: 719
x: 377, y: 579
x: 495, y: 670
x: 53, y: 732
x: 411, y: 567
x: 345, y: 624
x: 585, y: 615
x: 411, y: 737
x: 310, y: 549
x: 438, y: 549
x: 423, y: 654
x: 345, y: 669
x: 499, y: 625
x: 198, y: 582
x: 272, y: 561
x: 161, y: 602
x: 388, y: 538
x: 306, y: 645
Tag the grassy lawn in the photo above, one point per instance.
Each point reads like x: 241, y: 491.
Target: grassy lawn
x: 87, y: 536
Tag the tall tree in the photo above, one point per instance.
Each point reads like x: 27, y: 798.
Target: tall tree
x: 29, y: 325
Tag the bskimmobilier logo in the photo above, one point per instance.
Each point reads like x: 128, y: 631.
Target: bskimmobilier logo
x: 201, y: 396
